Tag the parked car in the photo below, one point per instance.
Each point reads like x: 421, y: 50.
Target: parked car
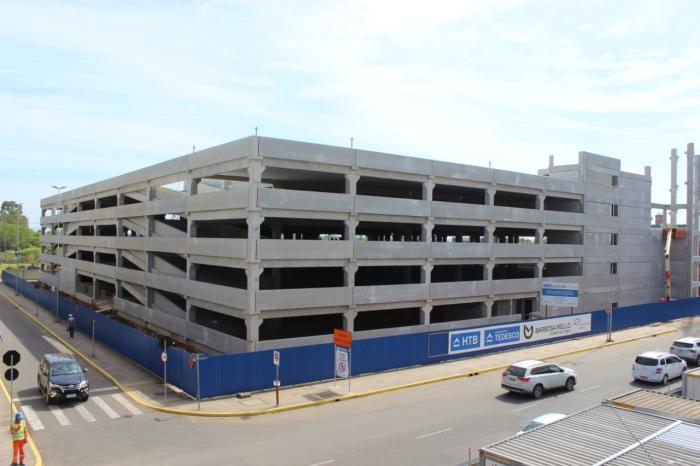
x: 60, y: 377
x: 687, y: 348
x: 534, y: 377
x: 657, y: 366
x: 542, y: 421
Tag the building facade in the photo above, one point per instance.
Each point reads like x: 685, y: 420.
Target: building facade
x: 263, y: 243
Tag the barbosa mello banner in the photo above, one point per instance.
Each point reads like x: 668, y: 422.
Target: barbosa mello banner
x: 469, y: 340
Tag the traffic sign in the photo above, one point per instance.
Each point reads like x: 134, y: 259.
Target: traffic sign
x: 10, y: 358
x: 342, y: 363
x: 275, y: 383
x: 608, y: 310
x: 276, y: 358
x: 342, y: 338
x: 164, y: 357
x: 11, y: 374
x: 191, y: 361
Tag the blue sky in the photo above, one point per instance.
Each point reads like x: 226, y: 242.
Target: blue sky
x: 90, y: 89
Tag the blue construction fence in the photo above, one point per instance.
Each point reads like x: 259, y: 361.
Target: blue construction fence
x: 244, y: 372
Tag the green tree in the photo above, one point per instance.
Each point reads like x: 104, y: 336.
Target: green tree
x: 10, y: 213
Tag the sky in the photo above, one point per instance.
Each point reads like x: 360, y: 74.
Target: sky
x: 94, y: 89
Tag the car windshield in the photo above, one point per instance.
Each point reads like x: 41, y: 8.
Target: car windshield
x: 65, y: 368
x: 532, y: 425
x: 682, y: 344
x: 516, y: 371
x: 646, y: 361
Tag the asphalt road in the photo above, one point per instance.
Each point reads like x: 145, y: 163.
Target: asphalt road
x: 434, y: 424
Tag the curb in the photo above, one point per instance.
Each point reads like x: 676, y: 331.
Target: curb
x: 38, y: 460
x: 308, y: 404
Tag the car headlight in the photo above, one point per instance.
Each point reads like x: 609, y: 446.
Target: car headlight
x: 53, y: 386
x: 83, y: 384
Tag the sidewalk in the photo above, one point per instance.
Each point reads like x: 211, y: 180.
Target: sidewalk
x: 146, y: 389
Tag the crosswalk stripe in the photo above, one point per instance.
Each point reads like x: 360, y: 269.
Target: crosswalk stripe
x: 129, y: 407
x: 85, y: 413
x: 60, y: 417
x: 33, y: 419
x: 105, y: 407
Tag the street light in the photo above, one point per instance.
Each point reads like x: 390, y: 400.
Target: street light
x: 19, y: 209
x: 58, y: 247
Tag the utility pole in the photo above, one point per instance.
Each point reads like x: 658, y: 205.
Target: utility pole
x: 19, y: 209
x: 59, y: 251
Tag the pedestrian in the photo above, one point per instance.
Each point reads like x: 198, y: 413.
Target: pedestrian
x: 18, y: 429
x: 71, y: 325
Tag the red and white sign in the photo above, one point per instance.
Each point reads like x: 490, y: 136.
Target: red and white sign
x: 608, y: 310
x: 164, y: 357
x: 342, y: 363
x: 276, y: 358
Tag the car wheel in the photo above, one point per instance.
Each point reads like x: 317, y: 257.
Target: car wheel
x: 85, y: 398
x: 570, y: 382
x: 537, y: 391
x: 697, y: 361
x: 664, y: 381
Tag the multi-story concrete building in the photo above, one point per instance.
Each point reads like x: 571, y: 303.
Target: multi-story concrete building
x: 264, y: 243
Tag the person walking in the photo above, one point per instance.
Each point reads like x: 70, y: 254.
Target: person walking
x: 71, y: 325
x: 18, y: 430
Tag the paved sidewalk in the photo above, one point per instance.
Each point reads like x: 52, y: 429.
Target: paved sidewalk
x: 146, y: 388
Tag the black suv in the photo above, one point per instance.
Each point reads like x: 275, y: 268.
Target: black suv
x: 60, y: 377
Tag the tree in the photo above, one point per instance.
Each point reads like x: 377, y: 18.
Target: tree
x: 9, y: 211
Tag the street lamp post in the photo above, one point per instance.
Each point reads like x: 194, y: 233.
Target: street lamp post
x: 19, y: 209
x: 58, y: 248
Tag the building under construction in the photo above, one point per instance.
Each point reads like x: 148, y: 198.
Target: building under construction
x: 263, y: 243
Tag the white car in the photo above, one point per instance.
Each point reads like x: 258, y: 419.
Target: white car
x: 657, y: 366
x: 687, y: 348
x: 534, y: 377
x: 542, y: 421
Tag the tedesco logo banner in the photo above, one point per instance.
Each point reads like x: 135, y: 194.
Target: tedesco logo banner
x: 469, y: 340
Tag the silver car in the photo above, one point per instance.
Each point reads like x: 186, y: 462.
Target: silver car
x: 534, y: 377
x: 687, y: 348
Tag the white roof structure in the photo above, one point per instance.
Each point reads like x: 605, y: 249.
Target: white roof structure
x: 601, y: 435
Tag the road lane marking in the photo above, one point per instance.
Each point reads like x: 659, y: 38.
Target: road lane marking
x: 129, y: 407
x: 434, y: 433
x: 105, y: 407
x: 85, y: 413
x: 33, y: 419
x: 524, y: 408
x: 55, y: 343
x: 103, y: 389
x: 322, y: 463
x: 589, y: 389
x: 60, y: 417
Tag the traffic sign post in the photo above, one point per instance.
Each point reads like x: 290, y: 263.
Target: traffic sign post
x: 164, y: 358
x: 343, y: 355
x: 609, y: 312
x: 276, y: 383
x: 196, y: 361
x: 11, y: 358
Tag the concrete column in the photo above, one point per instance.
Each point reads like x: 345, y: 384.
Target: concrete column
x: 350, y: 227
x: 540, y: 268
x: 191, y: 185
x: 488, y: 305
x: 490, y: 229
x: 349, y: 273
x: 428, y: 187
x: 425, y: 313
x: 426, y: 269
x: 252, y: 325
x: 540, y: 201
x: 427, y: 230
x: 488, y: 270
x: 690, y: 217
x: 351, y: 180
x: 539, y: 239
x: 349, y: 319
x: 490, y: 196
